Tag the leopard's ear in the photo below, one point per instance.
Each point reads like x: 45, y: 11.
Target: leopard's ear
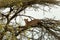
x: 26, y: 20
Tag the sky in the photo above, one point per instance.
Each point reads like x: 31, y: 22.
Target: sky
x: 53, y: 13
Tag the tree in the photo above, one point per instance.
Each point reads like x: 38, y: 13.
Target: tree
x: 45, y: 27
